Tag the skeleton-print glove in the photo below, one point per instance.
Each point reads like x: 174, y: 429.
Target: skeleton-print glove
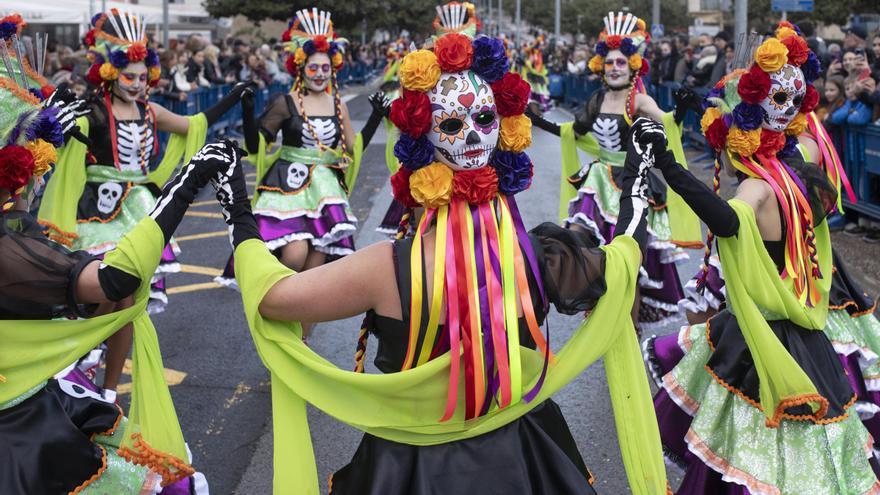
x: 183, y: 188
x: 645, y: 138
x: 231, y: 191
x: 69, y: 108
x: 381, y: 108
x: 686, y: 99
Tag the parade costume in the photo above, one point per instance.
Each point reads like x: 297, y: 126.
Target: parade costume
x: 762, y: 397
x: 453, y: 17
x: 589, y: 195
x: 303, y: 187
x: 432, y: 411
x: 58, y: 435
x: 100, y: 192
x: 535, y: 73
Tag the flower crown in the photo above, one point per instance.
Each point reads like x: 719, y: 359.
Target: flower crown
x: 309, y: 33
x: 734, y: 115
x: 456, y: 17
x: 29, y: 133
x: 422, y: 181
x: 111, y: 53
x: 627, y: 34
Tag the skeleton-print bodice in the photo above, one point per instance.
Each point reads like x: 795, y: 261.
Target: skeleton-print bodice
x: 610, y: 131
x: 295, y: 130
x: 134, y: 144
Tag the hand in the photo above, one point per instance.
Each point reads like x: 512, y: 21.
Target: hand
x: 380, y: 103
x: 688, y: 98
x: 646, y: 139
x: 69, y: 109
x: 231, y: 192
x: 248, y: 97
x: 212, y: 159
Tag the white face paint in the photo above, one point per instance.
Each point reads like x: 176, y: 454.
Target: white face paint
x: 787, y: 90
x: 297, y: 173
x: 464, y: 127
x: 132, y: 82
x: 617, y: 71
x: 317, y: 72
x: 109, y: 194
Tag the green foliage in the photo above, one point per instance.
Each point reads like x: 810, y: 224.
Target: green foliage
x: 585, y: 16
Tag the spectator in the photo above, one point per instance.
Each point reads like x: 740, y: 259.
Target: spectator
x: 685, y: 52
x: 704, y: 41
x: 833, y: 98
x: 875, y: 48
x: 667, y: 61
x: 195, y: 70
x: 166, y: 86
x: 856, y: 37
x: 719, y: 69
x: 853, y: 112
x: 212, y: 66
x: 178, y: 73
x: 702, y: 70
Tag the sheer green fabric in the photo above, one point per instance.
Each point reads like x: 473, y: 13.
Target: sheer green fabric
x: 391, y: 137
x: 33, y: 351
x: 59, y: 204
x: 685, y: 225
x: 756, y: 294
x: 406, y: 407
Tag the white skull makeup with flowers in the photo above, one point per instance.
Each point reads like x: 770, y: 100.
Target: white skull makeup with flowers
x: 464, y: 121
x: 782, y: 104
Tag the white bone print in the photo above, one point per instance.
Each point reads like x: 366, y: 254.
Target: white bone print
x: 607, y: 133
x: 325, y: 131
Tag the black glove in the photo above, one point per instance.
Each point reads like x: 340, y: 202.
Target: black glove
x: 180, y: 191
x: 381, y: 109
x: 540, y: 122
x: 69, y: 109
x: 380, y: 103
x: 686, y: 99
x: 645, y: 138
x: 231, y: 192
x: 214, y: 113
x: 249, y: 123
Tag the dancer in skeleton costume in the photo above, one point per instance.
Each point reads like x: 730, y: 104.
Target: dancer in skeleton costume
x: 764, y: 396
x: 460, y: 117
x: 100, y: 192
x: 453, y: 17
x: 535, y: 73
x: 301, y: 201
x: 589, y: 196
x: 58, y: 436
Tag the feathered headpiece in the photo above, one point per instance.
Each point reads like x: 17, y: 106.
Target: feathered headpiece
x: 29, y: 133
x: 310, y: 32
x: 456, y: 17
x: 481, y: 244
x: 734, y: 124
x: 116, y: 40
x: 624, y: 32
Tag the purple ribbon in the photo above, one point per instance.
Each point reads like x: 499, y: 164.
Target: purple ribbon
x: 485, y: 317
x: 526, y: 246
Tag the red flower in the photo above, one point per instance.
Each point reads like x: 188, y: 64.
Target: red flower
x: 411, y: 113
x: 94, y: 75
x: 454, y: 52
x: 754, y: 85
x: 646, y: 67
x: 511, y: 94
x: 771, y: 142
x: 811, y: 99
x: 47, y: 90
x: 798, y: 51
x: 16, y: 167
x: 400, y: 188
x: 137, y: 52
x: 716, y: 134
x: 321, y: 43
x: 786, y: 24
x: 89, y: 38
x: 613, y: 41
x: 475, y: 186
x: 290, y: 64
x: 286, y: 36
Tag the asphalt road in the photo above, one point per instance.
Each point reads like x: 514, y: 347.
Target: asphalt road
x: 220, y: 387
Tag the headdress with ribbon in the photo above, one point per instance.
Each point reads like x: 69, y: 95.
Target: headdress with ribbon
x: 115, y: 40
x: 624, y: 32
x: 310, y: 32
x: 29, y: 133
x: 456, y: 17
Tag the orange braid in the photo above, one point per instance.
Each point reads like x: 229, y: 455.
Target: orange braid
x: 403, y: 227
x: 337, y: 104
x: 360, y: 353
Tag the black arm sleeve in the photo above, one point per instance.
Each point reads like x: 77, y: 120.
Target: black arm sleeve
x: 542, y: 123
x: 117, y: 284
x: 370, y: 127
x: 633, y: 216
x: 249, y: 125
x: 214, y: 113
x: 572, y: 267
x: 712, y: 210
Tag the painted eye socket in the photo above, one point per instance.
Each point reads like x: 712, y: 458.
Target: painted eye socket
x: 451, y: 126
x: 485, y: 119
x: 798, y: 100
x: 780, y: 97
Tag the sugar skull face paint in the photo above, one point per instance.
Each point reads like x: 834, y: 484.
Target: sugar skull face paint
x: 787, y: 90
x: 465, y: 123
x: 317, y: 72
x: 132, y: 82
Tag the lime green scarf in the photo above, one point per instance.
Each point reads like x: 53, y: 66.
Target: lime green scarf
x: 34, y: 350
x: 406, y: 406
x: 685, y: 225
x: 757, y: 294
x: 391, y: 135
x: 59, y: 205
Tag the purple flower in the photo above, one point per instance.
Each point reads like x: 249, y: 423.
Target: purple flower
x: 152, y: 58
x: 602, y: 49
x: 96, y: 18
x: 627, y: 47
x: 309, y: 48
x: 514, y: 171
x: 334, y: 47
x: 490, y: 59
x: 811, y: 67
x: 414, y: 153
x: 7, y: 29
x: 119, y: 59
x: 747, y: 116
x: 790, y: 148
x: 47, y: 128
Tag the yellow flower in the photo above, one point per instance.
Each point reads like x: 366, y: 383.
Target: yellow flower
x: 743, y: 142
x: 419, y: 70
x: 431, y: 186
x: 108, y: 72
x: 336, y: 60
x: 709, y: 116
x: 635, y: 61
x: 597, y: 64
x: 44, y: 156
x: 516, y: 133
x: 299, y: 56
x: 797, y: 126
x: 771, y: 55
x: 155, y: 73
x: 785, y: 32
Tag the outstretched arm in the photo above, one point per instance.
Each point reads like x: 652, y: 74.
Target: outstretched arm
x: 381, y: 106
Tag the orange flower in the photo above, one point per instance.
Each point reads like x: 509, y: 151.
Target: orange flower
x: 454, y: 52
x: 797, y: 126
x: 516, y: 133
x: 108, y: 72
x: 597, y: 64
x: 745, y: 143
x: 431, y: 186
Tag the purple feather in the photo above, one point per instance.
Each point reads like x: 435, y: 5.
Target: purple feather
x: 47, y: 128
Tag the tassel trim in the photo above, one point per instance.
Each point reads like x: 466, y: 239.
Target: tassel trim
x: 166, y: 465
x: 95, y: 476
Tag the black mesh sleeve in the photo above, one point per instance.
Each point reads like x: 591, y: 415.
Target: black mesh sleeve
x: 572, y: 267
x: 273, y: 117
